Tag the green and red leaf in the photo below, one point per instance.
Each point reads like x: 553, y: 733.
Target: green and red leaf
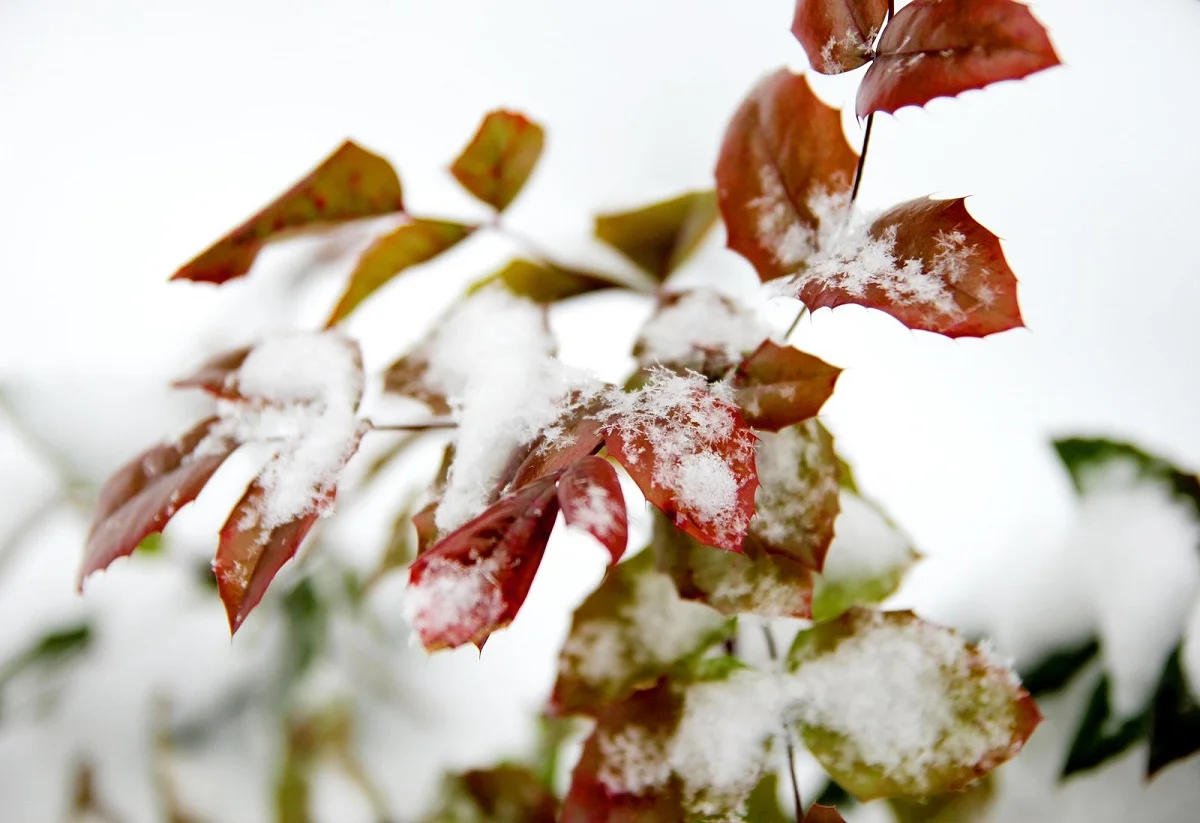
x: 500, y: 157
x: 658, y: 238
x: 838, y: 35
x: 779, y: 386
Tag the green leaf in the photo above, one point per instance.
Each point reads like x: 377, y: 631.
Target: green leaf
x: 1086, y: 460
x: 500, y: 157
x: 951, y: 807
x: 503, y: 794
x: 658, y: 238
x: 763, y: 804
x: 545, y: 282
x: 1057, y: 669
x: 306, y: 622
x: 1101, y: 736
x: 1174, y: 718
x: 409, y: 245
x: 55, y: 648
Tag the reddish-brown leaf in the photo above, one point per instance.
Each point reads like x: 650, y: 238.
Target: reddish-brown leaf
x: 778, y: 386
x: 837, y: 35
x: 546, y: 282
x: 500, y: 157
x: 823, y: 814
x: 217, y: 376
x: 589, y: 493
x: 947, y: 272
x: 350, y: 184
x: 783, y: 148
x: 473, y: 581
x: 144, y: 494
x: 941, y: 48
x: 423, y: 521
x: 406, y: 377
x: 658, y: 238
x: 580, y: 436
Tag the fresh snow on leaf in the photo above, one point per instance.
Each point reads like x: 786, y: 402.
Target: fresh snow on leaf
x: 452, y: 595
x: 692, y: 329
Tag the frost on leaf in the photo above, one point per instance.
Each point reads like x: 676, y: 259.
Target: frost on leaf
x: 142, y: 496
x: 473, y: 581
x: 837, y: 35
x: 500, y: 157
x: 927, y: 263
x: 941, y: 48
x: 626, y: 634
x: 690, y: 452
x: 546, y: 282
x: 589, y: 493
x: 351, y: 183
x: 779, y: 386
x: 699, y: 330
x: 781, y: 146
x: 797, y: 499
x: 658, y: 238
x: 894, y: 706
x: 752, y: 582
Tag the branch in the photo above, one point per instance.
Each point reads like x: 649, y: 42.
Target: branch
x: 773, y: 653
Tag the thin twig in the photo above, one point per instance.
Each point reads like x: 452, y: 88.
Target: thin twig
x: 773, y: 653
x: 862, y: 158
x: 430, y: 425
x: 792, y: 328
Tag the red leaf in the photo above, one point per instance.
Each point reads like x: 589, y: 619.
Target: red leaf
x: 349, y: 184
x: 217, y: 376
x: 580, y: 437
x: 837, y: 35
x: 928, y: 264
x: 823, y: 814
x: 783, y: 149
x: 591, y: 499
x: 691, y: 453
x: 141, y: 497
x: 941, y: 48
x: 500, y: 157
x: 473, y: 581
x: 778, y: 386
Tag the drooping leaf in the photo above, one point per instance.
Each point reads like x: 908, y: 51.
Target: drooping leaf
x: 349, y: 184
x: 142, y: 496
x: 1174, y: 717
x: 1057, y: 669
x: 409, y: 245
x: 779, y: 386
x: 927, y: 263
x: 589, y: 493
x: 546, y: 282
x: 698, y: 330
x: 894, y: 706
x: 658, y: 238
x: 783, y: 151
x: 1101, y: 735
x: 941, y: 48
x: 838, y: 35
x: 500, y: 157
x: 218, y: 375
x: 503, y: 794
x: 626, y: 634
x: 473, y: 581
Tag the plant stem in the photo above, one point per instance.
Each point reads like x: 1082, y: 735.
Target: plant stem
x: 862, y: 158
x: 792, y: 328
x: 773, y: 653
x: 430, y: 425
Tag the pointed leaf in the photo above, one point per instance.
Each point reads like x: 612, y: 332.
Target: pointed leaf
x: 823, y: 814
x: 778, y: 386
x: 658, y: 238
x: 407, y: 246
x: 141, y: 497
x: 569, y: 440
x: 783, y: 150
x: 349, y: 184
x: 895, y: 706
x: 1102, y: 736
x: 218, y: 375
x: 1056, y: 670
x: 407, y: 378
x: 546, y: 283
x: 500, y: 157
x: 1174, y: 718
x: 941, y: 48
x: 837, y: 35
x: 590, y: 495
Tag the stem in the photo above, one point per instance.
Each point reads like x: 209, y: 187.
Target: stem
x: 862, y: 158
x: 430, y: 425
x: 792, y: 328
x: 773, y: 653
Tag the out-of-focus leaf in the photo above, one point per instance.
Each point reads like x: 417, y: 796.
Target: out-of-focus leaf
x: 782, y: 148
x: 409, y: 245
x: 53, y: 649
x: 837, y: 35
x: 1088, y: 461
x: 142, y: 496
x: 823, y: 814
x: 941, y: 48
x: 1101, y: 736
x: 503, y: 794
x: 658, y: 238
x: 698, y: 330
x: 763, y: 804
x: 589, y: 493
x: 306, y: 619
x: 500, y: 157
x: 951, y: 807
x: 407, y: 378
x: 218, y: 375
x: 351, y: 183
x: 778, y: 386
x: 1174, y: 718
x: 1057, y: 669
x: 546, y: 282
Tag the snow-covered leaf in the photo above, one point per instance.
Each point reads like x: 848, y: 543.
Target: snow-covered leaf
x: 626, y: 634
x: 699, y: 330
x: 409, y: 245
x: 658, y: 238
x: 778, y: 386
x: 690, y: 452
x: 546, y: 282
x: 351, y: 183
x: 500, y: 157
x: 589, y: 493
x: 216, y: 375
x: 144, y: 494
x: 941, y: 48
x: 783, y: 150
x: 837, y: 35
x: 974, y: 803
x: 894, y: 706
x: 502, y: 794
x: 567, y: 441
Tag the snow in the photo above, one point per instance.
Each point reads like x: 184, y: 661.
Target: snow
x: 796, y: 475
x: 453, y: 596
x: 697, y: 323
x: 596, y: 512
x: 865, y: 546
x: 632, y: 761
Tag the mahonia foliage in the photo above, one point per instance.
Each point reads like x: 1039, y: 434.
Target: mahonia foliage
x: 754, y: 512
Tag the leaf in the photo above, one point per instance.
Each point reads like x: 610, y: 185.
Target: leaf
x: 590, y: 495
x: 473, y: 581
x: 500, y: 157
x: 580, y: 436
x: 1057, y: 669
x: 837, y: 35
x: 763, y: 804
x: 753, y: 582
x: 503, y: 794
x: 629, y: 631
x: 779, y: 386
x: 1090, y: 460
x: 54, y: 648
x: 823, y: 814
x: 698, y: 330
x: 950, y: 807
x: 143, y: 495
x: 218, y: 375
x: 658, y: 238
x: 1101, y: 736
x: 546, y: 282
x: 941, y: 48
x: 797, y: 500
x: 928, y: 264
x: 783, y: 148
x: 409, y: 245
x: 896, y: 706
x: 407, y: 378
x: 1174, y: 718
x: 349, y: 184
